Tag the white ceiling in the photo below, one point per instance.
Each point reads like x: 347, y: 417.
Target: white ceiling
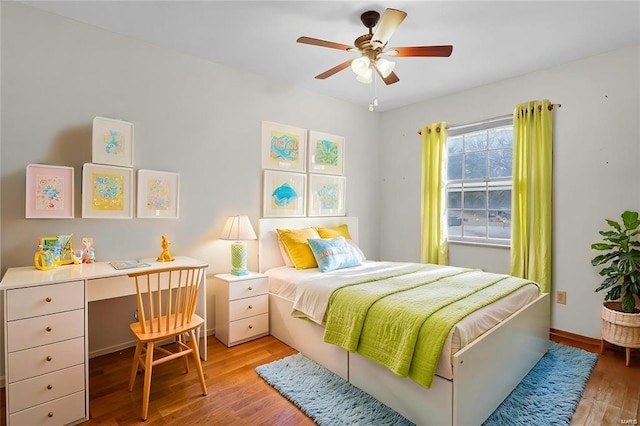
x: 491, y: 41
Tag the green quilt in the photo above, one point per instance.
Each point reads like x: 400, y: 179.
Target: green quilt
x: 403, y: 321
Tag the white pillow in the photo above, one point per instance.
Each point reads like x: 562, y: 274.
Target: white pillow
x: 357, y: 251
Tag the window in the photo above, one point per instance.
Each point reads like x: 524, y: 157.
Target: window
x: 479, y: 182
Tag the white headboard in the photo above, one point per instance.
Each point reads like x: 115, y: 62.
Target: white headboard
x: 268, y: 251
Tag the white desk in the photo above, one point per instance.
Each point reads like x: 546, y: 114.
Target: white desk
x: 45, y: 390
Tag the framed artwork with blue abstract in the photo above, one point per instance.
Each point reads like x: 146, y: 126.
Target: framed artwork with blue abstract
x: 49, y: 192
x: 158, y: 194
x: 112, y: 142
x: 283, y: 147
x: 284, y: 194
x: 107, y: 192
x: 327, y: 195
x: 326, y: 153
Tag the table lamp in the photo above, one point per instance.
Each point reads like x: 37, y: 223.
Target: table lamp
x: 237, y: 229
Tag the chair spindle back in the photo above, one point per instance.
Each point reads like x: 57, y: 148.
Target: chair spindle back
x: 171, y: 296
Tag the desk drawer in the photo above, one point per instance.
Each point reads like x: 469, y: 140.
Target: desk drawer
x: 68, y: 409
x: 248, y: 328
x: 38, y: 331
x: 45, y: 299
x: 248, y: 288
x: 248, y: 307
x: 45, y: 359
x: 37, y: 390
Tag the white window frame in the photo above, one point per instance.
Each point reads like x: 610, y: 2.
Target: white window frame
x: 487, y: 182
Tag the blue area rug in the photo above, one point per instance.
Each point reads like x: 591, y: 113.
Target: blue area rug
x: 548, y: 395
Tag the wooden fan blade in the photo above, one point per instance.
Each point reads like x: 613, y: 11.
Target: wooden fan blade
x: 389, y: 23
x: 390, y: 79
x: 334, y: 70
x: 442, y: 51
x: 323, y: 43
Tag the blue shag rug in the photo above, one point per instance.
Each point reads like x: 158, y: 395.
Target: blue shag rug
x: 548, y: 395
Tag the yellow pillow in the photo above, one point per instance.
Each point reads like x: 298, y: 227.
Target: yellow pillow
x: 338, y: 231
x: 297, y: 247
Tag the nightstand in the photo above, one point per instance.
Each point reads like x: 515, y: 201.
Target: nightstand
x: 242, y: 307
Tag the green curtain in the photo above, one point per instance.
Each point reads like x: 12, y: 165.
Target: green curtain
x: 532, y: 192
x: 434, y: 246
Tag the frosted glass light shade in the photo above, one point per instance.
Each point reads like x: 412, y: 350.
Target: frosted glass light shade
x: 385, y: 66
x: 365, y: 77
x: 360, y: 65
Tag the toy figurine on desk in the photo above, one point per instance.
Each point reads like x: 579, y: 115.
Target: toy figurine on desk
x: 165, y: 256
x: 43, y: 259
x: 88, y: 252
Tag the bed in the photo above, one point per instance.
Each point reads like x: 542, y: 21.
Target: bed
x: 464, y: 391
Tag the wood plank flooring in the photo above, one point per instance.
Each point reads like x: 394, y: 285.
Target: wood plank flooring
x: 238, y: 396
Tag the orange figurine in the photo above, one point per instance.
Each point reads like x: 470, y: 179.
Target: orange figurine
x: 165, y: 256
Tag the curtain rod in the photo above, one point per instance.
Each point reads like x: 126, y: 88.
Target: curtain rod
x: 550, y: 107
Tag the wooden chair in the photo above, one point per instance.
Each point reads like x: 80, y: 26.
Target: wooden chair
x: 167, y: 301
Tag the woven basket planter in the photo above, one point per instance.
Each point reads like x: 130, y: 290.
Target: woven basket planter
x: 620, y: 328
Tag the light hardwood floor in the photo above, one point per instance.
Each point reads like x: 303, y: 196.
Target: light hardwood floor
x: 238, y: 396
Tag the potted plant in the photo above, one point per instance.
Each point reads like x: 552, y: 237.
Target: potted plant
x: 621, y: 272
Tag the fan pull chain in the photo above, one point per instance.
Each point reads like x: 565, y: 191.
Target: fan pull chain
x: 374, y: 90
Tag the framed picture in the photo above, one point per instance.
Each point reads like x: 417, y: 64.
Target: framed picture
x: 284, y: 194
x: 326, y: 195
x: 106, y: 192
x: 49, y: 192
x: 112, y: 142
x: 283, y: 147
x: 158, y: 194
x: 326, y: 153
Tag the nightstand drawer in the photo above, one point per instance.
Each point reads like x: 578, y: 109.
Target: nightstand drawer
x: 248, y: 288
x: 45, y: 299
x: 31, y: 332
x: 248, y: 328
x: 251, y: 306
x: 60, y: 412
x: 45, y: 388
x: 45, y: 359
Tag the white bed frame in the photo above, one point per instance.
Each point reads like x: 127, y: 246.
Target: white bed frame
x: 484, y: 372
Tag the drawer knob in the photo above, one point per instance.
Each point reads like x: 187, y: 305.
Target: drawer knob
x: 250, y: 288
x: 49, y: 358
x: 49, y: 387
x: 49, y: 328
x: 48, y: 299
x: 250, y: 326
x: 50, y: 414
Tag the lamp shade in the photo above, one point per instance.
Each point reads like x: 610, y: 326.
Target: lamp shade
x: 238, y: 228
x: 366, y: 77
x: 385, y: 66
x: 360, y: 65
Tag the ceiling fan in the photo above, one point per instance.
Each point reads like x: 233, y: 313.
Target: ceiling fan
x: 372, y: 46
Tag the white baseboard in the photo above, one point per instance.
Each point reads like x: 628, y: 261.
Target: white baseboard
x: 124, y: 345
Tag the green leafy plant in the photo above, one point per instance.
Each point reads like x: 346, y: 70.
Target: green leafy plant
x: 622, y: 260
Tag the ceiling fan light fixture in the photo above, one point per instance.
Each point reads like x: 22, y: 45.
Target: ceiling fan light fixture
x: 385, y: 66
x: 366, y: 77
x: 360, y: 66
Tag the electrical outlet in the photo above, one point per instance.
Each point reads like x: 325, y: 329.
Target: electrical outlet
x: 561, y: 297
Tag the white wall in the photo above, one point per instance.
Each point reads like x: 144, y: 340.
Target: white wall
x: 191, y: 116
x: 596, y: 152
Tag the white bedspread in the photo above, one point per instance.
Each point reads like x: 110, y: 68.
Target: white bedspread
x: 309, y: 289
